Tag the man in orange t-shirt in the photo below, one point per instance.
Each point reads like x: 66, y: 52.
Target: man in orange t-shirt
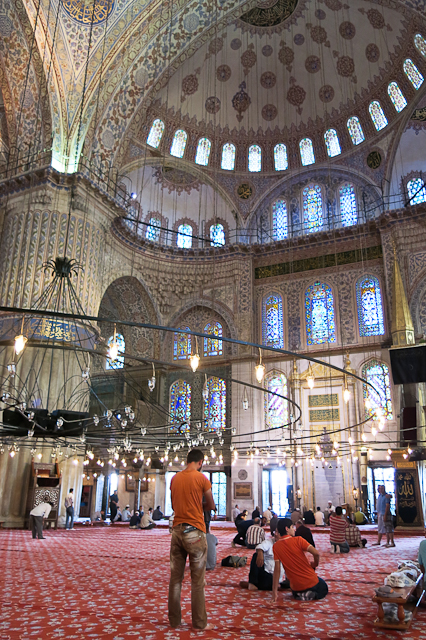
x: 189, y: 538
x: 290, y: 552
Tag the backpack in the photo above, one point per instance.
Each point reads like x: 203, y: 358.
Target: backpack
x: 234, y: 561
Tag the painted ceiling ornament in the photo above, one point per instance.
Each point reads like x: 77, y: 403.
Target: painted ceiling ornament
x: 241, y: 101
x: 347, y: 30
x: 175, y: 179
x: 248, y: 59
x: 244, y: 191
x: 375, y: 18
x: 345, y: 66
x: 236, y: 44
x: 189, y: 85
x: 312, y: 64
x: 374, y: 160
x: 81, y: 10
x: 299, y: 39
x: 335, y: 5
x: 223, y: 73
x: 318, y: 34
x: 326, y: 93
x: 269, y: 112
x: 372, y: 52
x: 286, y: 56
x: 320, y: 14
x: 212, y: 104
x: 296, y: 95
x: 268, y: 80
x: 269, y: 13
x: 267, y: 50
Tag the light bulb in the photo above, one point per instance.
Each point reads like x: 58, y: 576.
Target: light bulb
x: 346, y: 395
x: 350, y: 440
x: 367, y: 403
x: 113, y: 350
x: 259, y: 372
x: 311, y: 381
x: 390, y: 452
x: 363, y: 437
x: 374, y: 431
x: 12, y: 453
x: 409, y: 450
x: 151, y: 383
x: 404, y: 455
x: 20, y: 342
x: 75, y: 461
x: 245, y: 400
x: 194, y: 361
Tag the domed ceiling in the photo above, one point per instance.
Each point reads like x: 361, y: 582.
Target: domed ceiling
x: 285, y: 63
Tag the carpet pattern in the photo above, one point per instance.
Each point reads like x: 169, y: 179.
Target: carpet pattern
x: 111, y: 584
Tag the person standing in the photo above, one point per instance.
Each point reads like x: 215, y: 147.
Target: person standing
x: 69, y: 507
x: 113, y: 505
x: 388, y: 522
x: 189, y: 539
x: 37, y: 514
x: 381, y: 510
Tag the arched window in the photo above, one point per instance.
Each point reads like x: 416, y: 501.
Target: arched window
x: 377, y: 115
x: 332, y: 143
x: 184, y: 236
x: 272, y: 321
x: 153, y: 230
x: 280, y: 157
x: 155, y: 134
x: 215, y: 404
x: 420, y: 43
x: 306, y: 152
x: 179, y: 143
x: 397, y: 97
x: 203, y: 152
x: 416, y: 190
x: 348, y: 210
x: 413, y: 74
x: 355, y: 130
x: 255, y: 158
x: 319, y: 314
x: 228, y: 156
x: 377, y: 374
x: 118, y: 363
x: 276, y: 409
x: 181, y: 345
x: 279, y: 219
x: 217, y: 235
x: 180, y: 405
x: 312, y: 208
x: 213, y: 346
x: 369, y: 304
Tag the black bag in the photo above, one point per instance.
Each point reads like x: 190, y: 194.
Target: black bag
x: 234, y: 561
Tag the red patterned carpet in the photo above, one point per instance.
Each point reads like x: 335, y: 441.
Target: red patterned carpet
x: 111, y: 584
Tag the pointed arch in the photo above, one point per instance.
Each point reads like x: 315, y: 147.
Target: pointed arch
x: 272, y: 321
x: 215, y: 404
x: 320, y: 314
x: 275, y: 408
x: 179, y: 404
x: 377, y: 374
x: 369, y: 307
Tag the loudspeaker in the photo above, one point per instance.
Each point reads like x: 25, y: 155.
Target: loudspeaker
x: 409, y: 425
x: 227, y: 470
x: 408, y: 364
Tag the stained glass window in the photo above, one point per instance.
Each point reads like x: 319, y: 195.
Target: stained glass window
x: 413, y: 74
x: 420, y: 43
x: 153, y: 230
x: 377, y: 115
x: 228, y: 156
x: 118, y: 363
x: 397, y: 97
x: 355, y: 130
x: 312, y: 208
x: 179, y: 143
x: 280, y: 157
x: 215, y: 404
x: 306, y: 152
x: 319, y: 314
x: 272, y: 321
x: 155, y: 134
x: 276, y: 409
x: 217, y: 235
x: 255, y: 158
x: 416, y: 191
x: 180, y: 404
x: 184, y: 236
x: 332, y: 143
x: 181, y: 345
x: 279, y: 219
x: 203, y: 152
x: 212, y: 346
x: 348, y: 210
x: 369, y: 304
x: 377, y: 374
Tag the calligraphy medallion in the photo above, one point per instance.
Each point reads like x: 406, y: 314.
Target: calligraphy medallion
x: 86, y: 11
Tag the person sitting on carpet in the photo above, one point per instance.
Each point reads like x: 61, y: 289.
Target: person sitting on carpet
x: 126, y: 515
x: 319, y: 517
x: 308, y: 517
x: 296, y: 515
x: 135, y: 521
x: 97, y: 516
x: 262, y: 568
x: 118, y: 514
x: 241, y: 516
x: 267, y: 514
x: 422, y: 556
x: 304, y: 532
x: 243, y: 526
x: 147, y: 521
x: 212, y: 543
x: 158, y: 514
x: 273, y: 523
x: 353, y: 536
x: 255, y: 534
x: 256, y: 513
x: 360, y: 517
x: 289, y: 552
x: 338, y: 526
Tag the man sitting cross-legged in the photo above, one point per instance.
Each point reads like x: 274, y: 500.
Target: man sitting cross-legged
x: 289, y: 551
x: 262, y: 569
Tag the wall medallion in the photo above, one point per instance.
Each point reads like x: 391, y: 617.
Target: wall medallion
x: 244, y: 191
x: 374, y: 160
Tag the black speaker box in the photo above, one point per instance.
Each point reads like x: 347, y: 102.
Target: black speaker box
x: 408, y: 364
